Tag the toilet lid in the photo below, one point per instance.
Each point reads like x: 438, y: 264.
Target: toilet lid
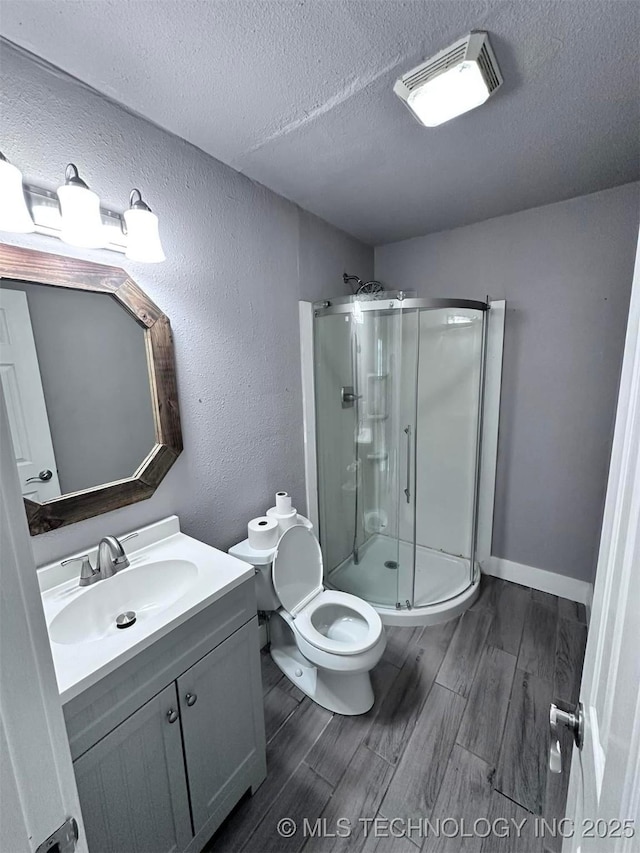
x: 297, y: 568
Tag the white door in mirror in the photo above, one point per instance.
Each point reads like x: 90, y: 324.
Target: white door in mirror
x: 24, y: 397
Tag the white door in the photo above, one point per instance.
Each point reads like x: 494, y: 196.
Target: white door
x: 24, y: 398
x: 604, y: 789
x: 37, y: 786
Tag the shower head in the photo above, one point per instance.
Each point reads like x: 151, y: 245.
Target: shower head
x: 361, y: 286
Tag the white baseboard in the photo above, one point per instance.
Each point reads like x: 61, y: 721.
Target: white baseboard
x: 561, y: 585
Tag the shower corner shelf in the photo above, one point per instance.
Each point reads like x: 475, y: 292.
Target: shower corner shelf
x: 377, y: 417
x: 378, y: 456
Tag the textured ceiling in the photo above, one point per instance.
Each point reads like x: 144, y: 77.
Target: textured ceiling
x: 298, y: 95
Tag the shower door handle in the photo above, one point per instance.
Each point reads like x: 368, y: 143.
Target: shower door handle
x: 348, y: 396
x: 407, y: 491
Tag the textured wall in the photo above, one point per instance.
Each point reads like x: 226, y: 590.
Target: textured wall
x: 239, y: 259
x: 565, y: 271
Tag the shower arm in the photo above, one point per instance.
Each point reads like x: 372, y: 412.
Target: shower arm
x: 349, y: 278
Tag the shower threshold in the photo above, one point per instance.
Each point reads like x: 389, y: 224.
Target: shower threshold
x: 442, y: 586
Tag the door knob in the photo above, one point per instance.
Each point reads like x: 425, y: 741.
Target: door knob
x: 574, y: 722
x: 172, y: 715
x: 43, y: 476
x: 191, y: 699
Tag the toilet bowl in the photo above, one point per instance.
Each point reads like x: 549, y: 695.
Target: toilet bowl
x: 326, y: 642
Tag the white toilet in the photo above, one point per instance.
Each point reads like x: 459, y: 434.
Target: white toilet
x: 326, y: 642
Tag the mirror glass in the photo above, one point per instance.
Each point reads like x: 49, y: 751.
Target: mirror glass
x: 75, y: 377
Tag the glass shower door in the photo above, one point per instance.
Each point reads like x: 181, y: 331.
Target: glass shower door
x: 449, y: 364
x: 362, y: 449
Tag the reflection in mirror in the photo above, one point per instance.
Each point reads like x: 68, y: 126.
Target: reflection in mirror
x: 75, y: 376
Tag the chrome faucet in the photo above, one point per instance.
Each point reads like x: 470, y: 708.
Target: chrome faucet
x: 111, y: 558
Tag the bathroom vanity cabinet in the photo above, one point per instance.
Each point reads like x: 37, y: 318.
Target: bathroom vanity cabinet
x: 166, y: 745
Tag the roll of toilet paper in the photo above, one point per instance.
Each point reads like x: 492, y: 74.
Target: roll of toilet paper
x: 263, y: 533
x: 285, y: 519
x: 283, y: 502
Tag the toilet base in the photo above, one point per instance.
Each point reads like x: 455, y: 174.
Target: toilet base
x: 346, y: 693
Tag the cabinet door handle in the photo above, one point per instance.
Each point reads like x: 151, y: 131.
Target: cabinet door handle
x: 172, y: 715
x: 191, y: 699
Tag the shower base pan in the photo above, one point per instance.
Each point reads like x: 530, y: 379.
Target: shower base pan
x: 442, y: 586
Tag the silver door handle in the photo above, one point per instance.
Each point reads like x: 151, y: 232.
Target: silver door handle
x: 575, y: 724
x: 43, y: 476
x: 407, y: 491
x: 348, y: 396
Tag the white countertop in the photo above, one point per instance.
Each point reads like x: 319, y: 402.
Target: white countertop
x: 80, y: 665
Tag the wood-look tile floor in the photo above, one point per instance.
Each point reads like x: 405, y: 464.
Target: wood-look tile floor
x: 459, y: 730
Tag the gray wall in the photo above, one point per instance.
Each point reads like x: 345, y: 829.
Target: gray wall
x: 239, y: 258
x: 93, y: 366
x: 565, y: 271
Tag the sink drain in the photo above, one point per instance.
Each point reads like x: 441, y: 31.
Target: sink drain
x: 126, y: 620
x: 391, y: 564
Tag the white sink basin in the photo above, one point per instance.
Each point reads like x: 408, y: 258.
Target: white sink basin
x: 146, y: 590
x: 171, y: 578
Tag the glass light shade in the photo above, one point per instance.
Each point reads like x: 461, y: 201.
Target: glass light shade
x: 81, y: 220
x: 14, y: 213
x: 143, y: 237
x: 456, y: 91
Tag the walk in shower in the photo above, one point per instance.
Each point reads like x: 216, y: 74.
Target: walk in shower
x: 398, y: 422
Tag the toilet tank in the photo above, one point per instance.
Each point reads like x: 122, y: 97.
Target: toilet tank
x: 262, y: 560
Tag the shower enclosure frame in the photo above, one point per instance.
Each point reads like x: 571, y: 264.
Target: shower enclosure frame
x: 484, y: 471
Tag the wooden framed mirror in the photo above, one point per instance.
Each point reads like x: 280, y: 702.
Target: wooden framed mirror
x: 88, y: 373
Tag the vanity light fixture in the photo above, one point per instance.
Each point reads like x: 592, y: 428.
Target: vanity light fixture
x: 80, y: 212
x: 143, y: 237
x: 74, y: 215
x: 14, y: 213
x: 454, y: 81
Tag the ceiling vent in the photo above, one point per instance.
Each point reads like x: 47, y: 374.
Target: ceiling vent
x: 452, y: 82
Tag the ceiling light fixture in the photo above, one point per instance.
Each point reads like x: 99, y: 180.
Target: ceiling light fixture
x: 143, y: 236
x: 454, y: 81
x: 80, y: 212
x: 14, y: 213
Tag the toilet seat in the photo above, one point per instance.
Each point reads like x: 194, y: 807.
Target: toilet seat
x: 351, y: 636
x: 331, y: 621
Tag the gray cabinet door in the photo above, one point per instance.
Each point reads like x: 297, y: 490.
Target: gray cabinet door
x: 223, y: 726
x: 132, y: 784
